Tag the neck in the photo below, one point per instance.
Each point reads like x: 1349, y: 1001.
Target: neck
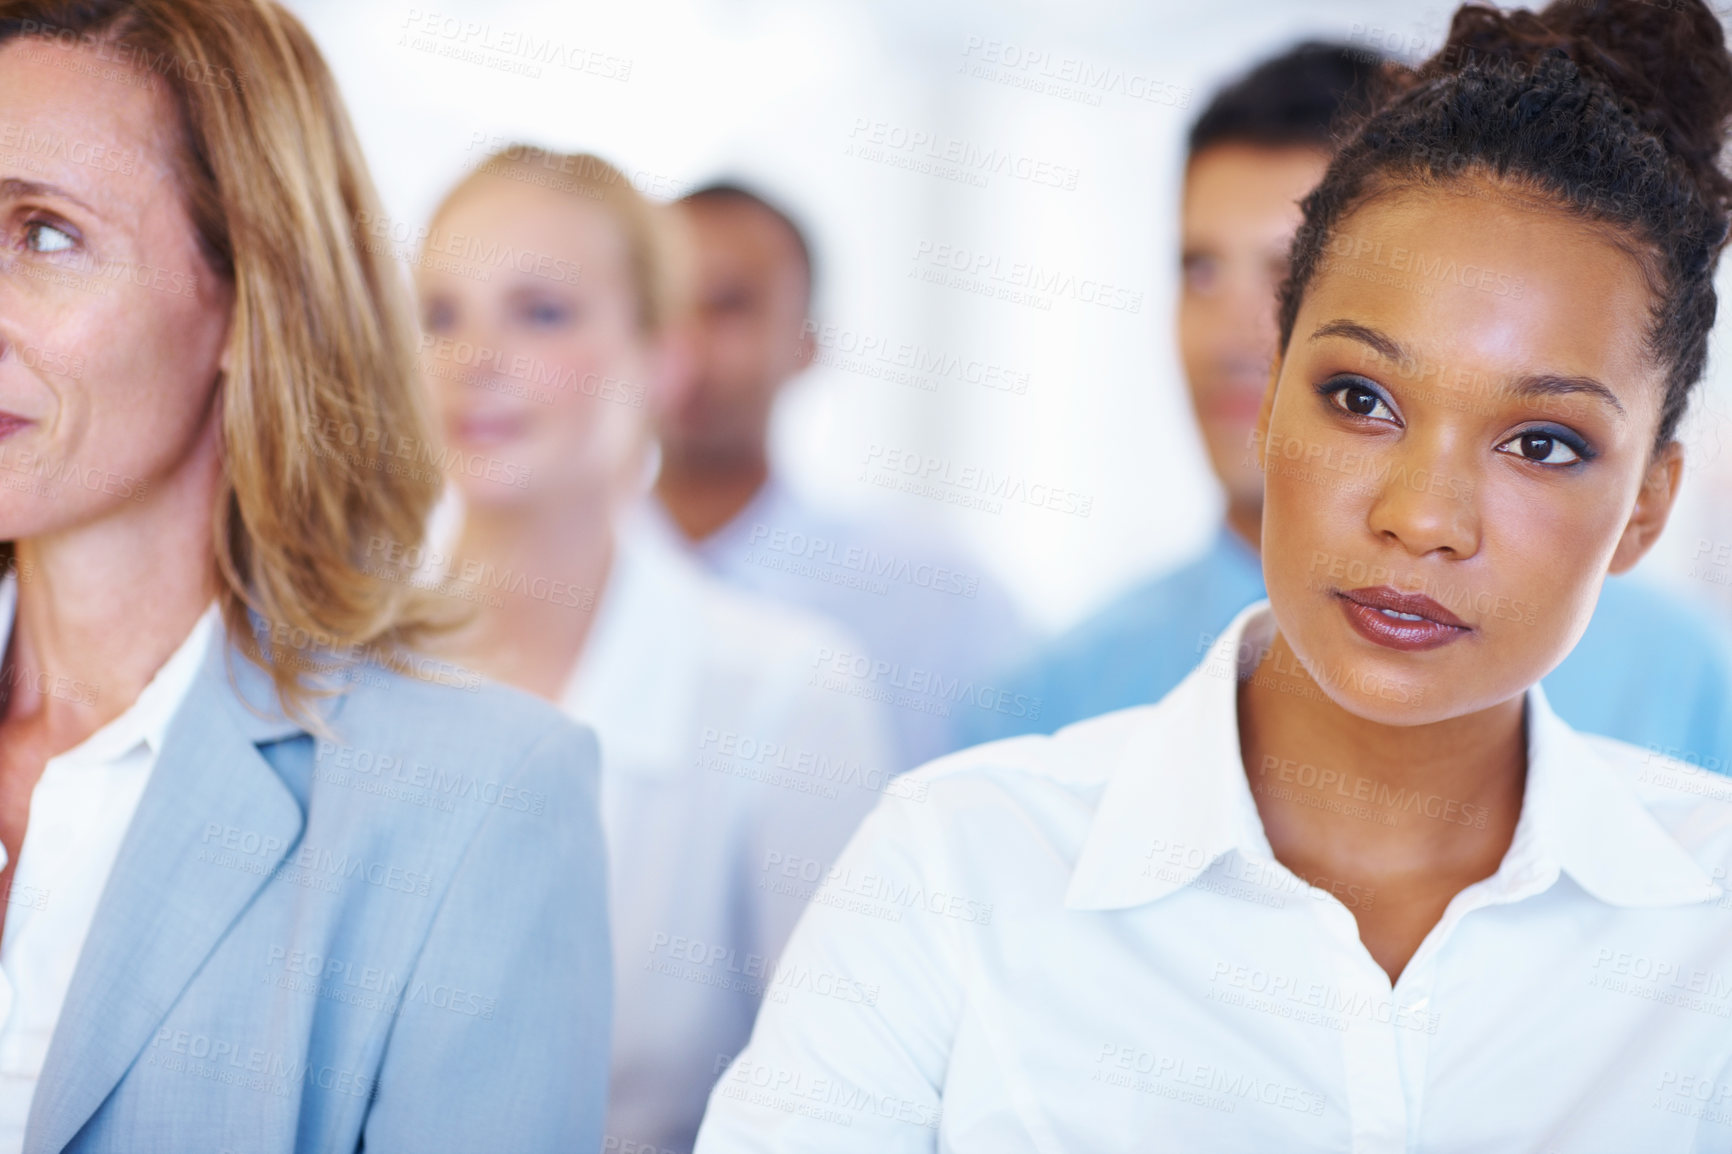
x: 538, y: 572
x: 701, y: 495
x: 102, y: 607
x: 1343, y: 796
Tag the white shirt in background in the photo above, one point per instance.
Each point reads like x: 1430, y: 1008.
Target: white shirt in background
x: 938, y: 630
x: 730, y: 780
x: 729, y: 784
x: 79, y: 813
x: 1084, y: 943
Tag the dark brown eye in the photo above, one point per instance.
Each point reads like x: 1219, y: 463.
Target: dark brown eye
x: 1543, y: 448
x: 1359, y: 400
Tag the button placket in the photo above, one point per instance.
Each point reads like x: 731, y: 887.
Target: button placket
x: 1418, y: 1019
x: 1416, y: 1025
x: 1360, y: 996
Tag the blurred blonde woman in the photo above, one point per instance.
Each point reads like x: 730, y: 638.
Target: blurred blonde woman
x: 729, y: 780
x: 276, y: 883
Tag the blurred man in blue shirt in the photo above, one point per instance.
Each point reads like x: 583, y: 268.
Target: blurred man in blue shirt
x: 931, y: 621
x: 1651, y: 669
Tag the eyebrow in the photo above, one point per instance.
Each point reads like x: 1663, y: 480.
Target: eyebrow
x: 1548, y: 384
x: 1386, y: 346
x: 14, y: 187
x: 1531, y: 385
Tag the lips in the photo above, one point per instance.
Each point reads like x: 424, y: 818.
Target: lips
x: 10, y: 423
x: 1411, y: 622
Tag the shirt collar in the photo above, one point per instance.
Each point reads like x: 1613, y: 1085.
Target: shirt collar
x: 1177, y: 799
x: 1588, y: 818
x: 640, y: 672
x: 771, y: 505
x: 640, y: 666
x: 147, y: 718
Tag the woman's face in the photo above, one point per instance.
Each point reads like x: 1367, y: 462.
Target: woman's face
x: 532, y: 347
x: 112, y: 326
x: 1457, y: 448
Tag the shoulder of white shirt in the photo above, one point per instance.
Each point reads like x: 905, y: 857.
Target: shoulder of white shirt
x: 746, y: 628
x: 1670, y: 788
x: 1079, y: 757
x: 1693, y: 804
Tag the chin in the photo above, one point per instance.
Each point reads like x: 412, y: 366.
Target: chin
x: 482, y: 492
x: 1408, y: 689
x: 31, y: 507
x: 1392, y: 704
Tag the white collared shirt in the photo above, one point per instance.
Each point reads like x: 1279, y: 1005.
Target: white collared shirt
x: 722, y: 766
x: 935, y: 623
x: 79, y: 813
x: 1084, y: 943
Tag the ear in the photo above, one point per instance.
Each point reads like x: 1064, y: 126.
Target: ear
x: 1653, y: 507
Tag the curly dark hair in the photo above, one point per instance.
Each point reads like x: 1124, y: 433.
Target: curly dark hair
x: 1613, y: 111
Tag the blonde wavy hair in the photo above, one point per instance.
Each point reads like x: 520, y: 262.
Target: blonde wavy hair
x: 326, y: 447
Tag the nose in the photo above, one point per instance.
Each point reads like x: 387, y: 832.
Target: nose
x: 1425, y: 497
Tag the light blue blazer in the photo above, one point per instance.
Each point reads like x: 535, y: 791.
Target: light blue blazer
x: 394, y: 936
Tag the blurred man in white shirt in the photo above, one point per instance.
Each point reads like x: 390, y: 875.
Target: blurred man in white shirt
x: 931, y: 620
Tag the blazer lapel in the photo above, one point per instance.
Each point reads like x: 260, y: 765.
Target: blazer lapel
x: 163, y: 910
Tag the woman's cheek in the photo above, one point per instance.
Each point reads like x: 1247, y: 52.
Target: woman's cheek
x: 1536, y: 561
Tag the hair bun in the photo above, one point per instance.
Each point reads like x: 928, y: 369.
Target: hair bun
x: 1665, y: 59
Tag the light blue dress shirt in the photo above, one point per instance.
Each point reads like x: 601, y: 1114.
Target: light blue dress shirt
x: 933, y: 624
x: 1650, y: 670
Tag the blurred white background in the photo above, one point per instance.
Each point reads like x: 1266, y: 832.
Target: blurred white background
x: 832, y: 107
